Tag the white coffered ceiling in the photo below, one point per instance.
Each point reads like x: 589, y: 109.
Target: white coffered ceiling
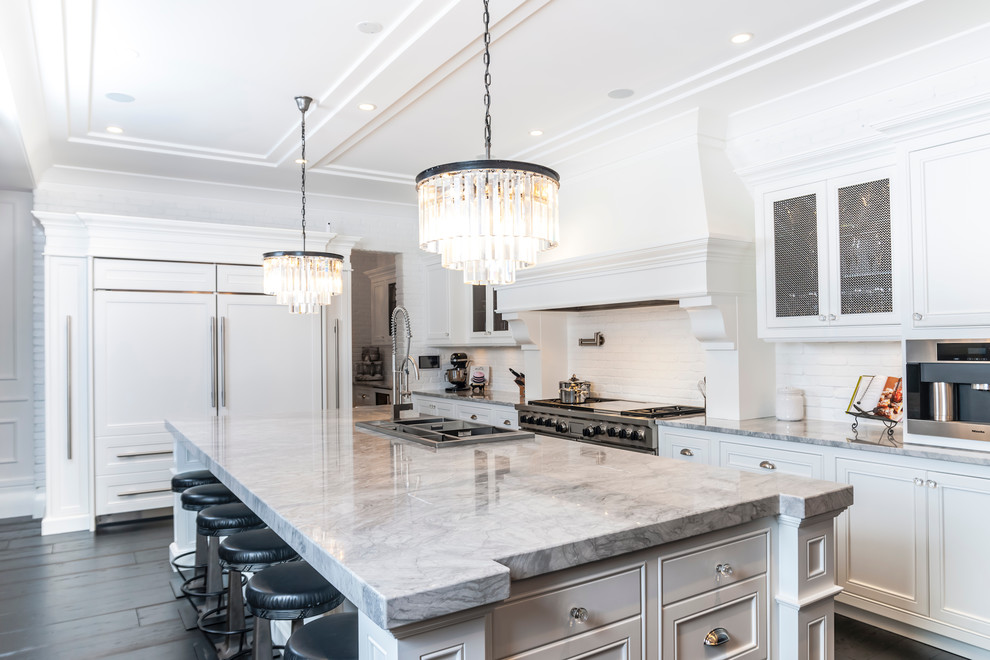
x: 213, y: 81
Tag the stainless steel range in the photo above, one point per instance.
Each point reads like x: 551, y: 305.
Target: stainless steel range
x: 612, y: 422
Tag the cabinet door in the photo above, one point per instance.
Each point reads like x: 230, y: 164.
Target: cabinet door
x: 882, y: 538
x: 270, y: 360
x: 960, y: 583
x: 438, y: 319
x: 795, y: 258
x: 486, y: 323
x: 152, y: 360
x: 949, y: 233
x: 860, y: 252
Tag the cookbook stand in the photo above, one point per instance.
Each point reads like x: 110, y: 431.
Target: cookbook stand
x: 888, y: 422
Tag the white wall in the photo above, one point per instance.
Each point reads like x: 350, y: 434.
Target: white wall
x: 827, y: 372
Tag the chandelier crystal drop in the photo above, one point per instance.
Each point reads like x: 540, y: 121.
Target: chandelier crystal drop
x: 303, y: 280
x: 488, y: 218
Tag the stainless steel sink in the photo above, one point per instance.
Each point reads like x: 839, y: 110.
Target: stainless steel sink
x: 442, y: 431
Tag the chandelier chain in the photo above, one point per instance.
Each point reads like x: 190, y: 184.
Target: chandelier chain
x: 488, y: 93
x: 303, y: 167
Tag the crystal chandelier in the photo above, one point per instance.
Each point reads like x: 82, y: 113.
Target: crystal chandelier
x: 303, y: 280
x: 488, y: 217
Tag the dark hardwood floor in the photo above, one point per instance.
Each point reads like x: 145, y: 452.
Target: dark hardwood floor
x: 106, y: 595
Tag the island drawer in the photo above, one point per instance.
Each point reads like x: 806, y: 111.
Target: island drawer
x: 698, y: 572
x: 542, y: 618
x: 475, y: 413
x: 739, y: 610
x: 759, y: 458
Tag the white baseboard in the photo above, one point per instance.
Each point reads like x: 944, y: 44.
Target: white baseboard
x: 83, y: 523
x: 17, y: 501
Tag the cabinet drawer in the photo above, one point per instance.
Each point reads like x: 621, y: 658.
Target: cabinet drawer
x: 437, y: 407
x: 740, y: 609
x: 134, y: 275
x: 688, y: 448
x: 240, y: 279
x: 544, y: 618
x: 619, y: 641
x: 755, y: 458
x: 126, y: 454
x: 695, y: 573
x: 507, y: 418
x: 133, y: 492
x: 481, y: 414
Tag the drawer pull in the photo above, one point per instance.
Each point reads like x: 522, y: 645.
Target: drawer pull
x: 507, y: 422
x: 717, y: 637
x: 723, y: 570
x: 474, y: 417
x: 135, y: 454
x: 132, y: 493
x: 687, y: 452
x: 767, y: 465
x: 578, y: 615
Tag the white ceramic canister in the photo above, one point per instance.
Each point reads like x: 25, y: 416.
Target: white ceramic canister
x: 790, y: 404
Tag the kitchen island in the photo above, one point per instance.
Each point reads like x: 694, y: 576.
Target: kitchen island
x: 536, y: 548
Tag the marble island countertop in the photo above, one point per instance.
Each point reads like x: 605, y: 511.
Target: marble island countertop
x: 410, y: 533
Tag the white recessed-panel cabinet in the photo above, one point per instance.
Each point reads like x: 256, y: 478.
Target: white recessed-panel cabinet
x: 825, y: 259
x: 950, y: 231
x: 462, y: 314
x: 159, y: 354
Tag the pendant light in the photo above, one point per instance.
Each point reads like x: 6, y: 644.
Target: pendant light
x: 303, y: 280
x: 488, y: 217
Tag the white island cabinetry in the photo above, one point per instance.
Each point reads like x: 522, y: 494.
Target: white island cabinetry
x: 469, y: 409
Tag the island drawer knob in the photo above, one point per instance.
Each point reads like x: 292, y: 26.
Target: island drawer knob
x: 717, y: 637
x: 767, y: 465
x: 474, y: 417
x: 724, y: 570
x: 578, y: 615
x: 507, y: 422
x: 687, y: 452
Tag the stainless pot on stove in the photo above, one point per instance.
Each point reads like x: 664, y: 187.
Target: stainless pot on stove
x: 574, y: 390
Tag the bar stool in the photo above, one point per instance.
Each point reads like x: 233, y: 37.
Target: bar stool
x: 287, y: 592
x: 180, y: 483
x: 249, y: 551
x: 214, y: 522
x: 198, y: 498
x: 332, y: 637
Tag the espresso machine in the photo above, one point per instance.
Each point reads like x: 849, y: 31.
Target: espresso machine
x: 457, y: 375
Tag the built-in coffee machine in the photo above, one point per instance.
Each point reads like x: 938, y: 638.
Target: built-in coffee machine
x: 947, y: 391
x: 457, y: 375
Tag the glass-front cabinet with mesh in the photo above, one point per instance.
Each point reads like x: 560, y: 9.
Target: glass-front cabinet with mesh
x: 826, y: 259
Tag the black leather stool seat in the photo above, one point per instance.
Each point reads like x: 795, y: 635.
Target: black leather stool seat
x: 290, y: 591
x: 254, y: 550
x: 226, y: 519
x: 185, y: 480
x: 198, y: 498
x: 333, y: 637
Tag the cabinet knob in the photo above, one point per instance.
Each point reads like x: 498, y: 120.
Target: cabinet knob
x: 821, y: 317
x: 578, y: 615
x: 507, y: 422
x: 767, y: 465
x: 724, y: 570
x: 917, y: 316
x: 918, y: 481
x: 717, y: 637
x: 831, y: 317
x: 687, y: 452
x: 474, y: 417
x: 932, y: 484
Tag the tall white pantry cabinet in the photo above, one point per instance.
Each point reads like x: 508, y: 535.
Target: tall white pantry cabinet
x: 183, y: 332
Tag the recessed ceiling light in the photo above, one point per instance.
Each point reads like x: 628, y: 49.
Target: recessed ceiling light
x: 300, y: 161
x: 120, y: 98
x: 741, y: 38
x: 367, y: 107
x: 117, y: 130
x: 536, y: 133
x: 369, y: 27
x: 620, y: 93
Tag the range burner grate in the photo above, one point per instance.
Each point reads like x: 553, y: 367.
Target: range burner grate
x: 659, y: 412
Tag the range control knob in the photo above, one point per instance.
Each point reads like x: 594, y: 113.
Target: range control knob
x: 625, y: 433
x: 526, y: 419
x: 539, y: 421
x: 562, y: 427
x: 588, y: 431
x: 552, y: 422
x: 638, y: 435
x: 600, y: 429
x: 613, y: 431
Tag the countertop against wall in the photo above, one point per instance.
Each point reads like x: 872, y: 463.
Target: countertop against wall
x: 509, y: 399
x: 829, y: 434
